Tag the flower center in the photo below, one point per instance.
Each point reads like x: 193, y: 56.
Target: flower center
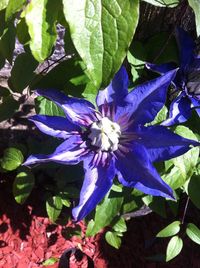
x: 105, y: 134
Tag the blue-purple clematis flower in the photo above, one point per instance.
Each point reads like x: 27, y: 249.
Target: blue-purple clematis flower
x: 113, y: 139
x: 187, y: 80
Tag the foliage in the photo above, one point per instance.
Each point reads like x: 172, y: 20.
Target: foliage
x: 99, y: 36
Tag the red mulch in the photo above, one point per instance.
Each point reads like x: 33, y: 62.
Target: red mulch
x: 28, y: 238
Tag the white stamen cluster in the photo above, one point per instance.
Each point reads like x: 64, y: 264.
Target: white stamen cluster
x: 105, y: 134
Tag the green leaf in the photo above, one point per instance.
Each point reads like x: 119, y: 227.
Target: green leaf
x: 174, y: 247
x: 193, y: 232
x: 67, y: 75
x: 7, y: 42
x: 163, y: 3
x: 101, y: 32
x: 120, y: 226
x: 23, y: 185
x: 47, y: 107
x: 65, y: 199
x: 195, y: 5
x: 54, y: 206
x: 113, y: 239
x: 136, y: 57
x: 187, y: 161
x: 12, y: 159
x: 170, y: 230
x: 193, y: 190
x: 22, y: 32
x: 50, y: 261
x: 8, y: 107
x: 106, y: 211
x: 13, y: 7
x: 41, y: 18
x: 184, y: 165
x: 157, y: 204
x: 160, y: 117
x: 90, y: 227
x: 3, y: 4
x: 24, y: 64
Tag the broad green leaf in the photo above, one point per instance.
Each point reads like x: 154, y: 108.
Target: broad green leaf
x: 54, y: 206
x: 8, y: 107
x: 47, y: 107
x: 50, y: 261
x: 163, y: 3
x: 120, y: 226
x: 67, y: 75
x: 193, y: 190
x: 13, y: 7
x: 90, y: 92
x: 160, y: 117
x: 170, y: 230
x: 12, y: 158
x: 187, y: 162
x: 193, y: 232
x: 3, y: 4
x: 22, y: 186
x: 24, y: 64
x: 101, y: 32
x: 107, y: 211
x: 22, y: 32
x: 90, y: 227
x: 113, y: 239
x: 136, y: 57
x: 41, y: 18
x: 7, y: 42
x: 174, y: 247
x: 184, y: 165
x: 195, y: 5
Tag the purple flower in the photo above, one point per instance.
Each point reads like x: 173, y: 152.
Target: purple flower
x: 113, y: 139
x: 187, y: 80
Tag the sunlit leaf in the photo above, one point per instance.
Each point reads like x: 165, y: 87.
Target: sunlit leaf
x: 195, y: 5
x: 113, y: 239
x: 163, y: 3
x: 193, y: 232
x: 12, y: 158
x: 174, y: 247
x: 54, y: 206
x: 13, y: 7
x: 22, y: 186
x: 41, y: 18
x: 101, y: 32
x: 170, y: 230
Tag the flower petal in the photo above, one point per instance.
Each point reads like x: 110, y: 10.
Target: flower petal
x: 69, y: 152
x: 166, y: 145
x: 97, y: 182
x: 79, y: 111
x: 161, y: 68
x: 136, y: 170
x: 55, y: 126
x: 180, y: 110
x: 186, y: 46
x: 116, y: 90
x: 146, y: 100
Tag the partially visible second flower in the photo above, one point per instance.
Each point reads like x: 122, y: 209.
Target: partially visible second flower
x: 187, y: 80
x: 113, y: 141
